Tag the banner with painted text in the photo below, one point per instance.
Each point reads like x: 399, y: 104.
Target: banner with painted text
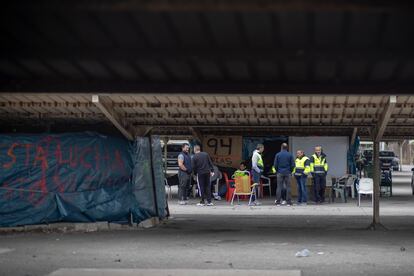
x: 225, y: 151
x: 74, y: 177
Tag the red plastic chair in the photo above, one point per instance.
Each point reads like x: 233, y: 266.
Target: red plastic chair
x: 229, y: 184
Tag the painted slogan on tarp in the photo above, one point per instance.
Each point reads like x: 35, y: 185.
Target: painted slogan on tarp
x: 224, y: 151
x: 80, y: 177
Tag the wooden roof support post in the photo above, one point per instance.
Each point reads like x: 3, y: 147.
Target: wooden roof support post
x: 105, y: 107
x: 385, y: 117
x: 143, y: 131
x: 377, y: 178
x: 196, y: 133
x: 377, y: 136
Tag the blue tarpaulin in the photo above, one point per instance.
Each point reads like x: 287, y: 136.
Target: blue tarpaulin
x: 353, y: 150
x: 75, y: 177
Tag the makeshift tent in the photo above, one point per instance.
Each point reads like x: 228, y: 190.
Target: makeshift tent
x: 78, y: 177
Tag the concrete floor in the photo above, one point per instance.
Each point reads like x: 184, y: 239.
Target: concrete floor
x: 235, y: 238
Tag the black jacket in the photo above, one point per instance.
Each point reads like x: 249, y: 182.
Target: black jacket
x: 201, y: 163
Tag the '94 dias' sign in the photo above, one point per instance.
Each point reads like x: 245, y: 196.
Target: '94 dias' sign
x: 224, y: 151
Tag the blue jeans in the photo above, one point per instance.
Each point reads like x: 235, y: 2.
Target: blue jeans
x: 256, y: 176
x: 302, y: 193
x: 255, y: 179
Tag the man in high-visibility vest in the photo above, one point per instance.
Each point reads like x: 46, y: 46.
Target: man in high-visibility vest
x: 301, y: 171
x: 319, y: 169
x: 257, y: 169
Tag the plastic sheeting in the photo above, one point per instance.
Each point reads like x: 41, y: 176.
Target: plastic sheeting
x: 77, y: 177
x: 352, y: 152
x: 158, y: 181
x: 146, y: 174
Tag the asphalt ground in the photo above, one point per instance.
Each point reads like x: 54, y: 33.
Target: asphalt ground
x: 234, y: 238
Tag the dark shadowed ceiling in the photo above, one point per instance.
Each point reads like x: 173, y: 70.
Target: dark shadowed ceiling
x: 192, y: 46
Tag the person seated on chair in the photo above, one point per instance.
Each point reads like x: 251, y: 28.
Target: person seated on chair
x: 242, y: 171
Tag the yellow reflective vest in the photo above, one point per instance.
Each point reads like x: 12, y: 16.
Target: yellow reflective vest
x: 240, y: 173
x: 319, y: 164
x: 260, y: 163
x: 257, y: 161
x: 302, y: 166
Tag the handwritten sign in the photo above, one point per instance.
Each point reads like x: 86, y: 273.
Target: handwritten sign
x: 225, y: 151
x: 31, y: 167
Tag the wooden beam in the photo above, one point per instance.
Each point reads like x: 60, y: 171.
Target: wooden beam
x: 114, y: 118
x: 43, y: 101
x: 385, y: 117
x: 142, y: 131
x: 377, y: 179
x: 196, y: 133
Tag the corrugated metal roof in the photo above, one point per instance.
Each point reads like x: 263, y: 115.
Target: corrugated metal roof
x: 219, y: 113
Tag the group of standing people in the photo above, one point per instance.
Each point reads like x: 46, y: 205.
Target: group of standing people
x: 202, y: 166
x: 285, y: 165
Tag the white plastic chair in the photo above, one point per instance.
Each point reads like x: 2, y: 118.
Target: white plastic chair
x: 365, y: 187
x: 350, y: 183
x: 339, y: 187
x: 265, y: 183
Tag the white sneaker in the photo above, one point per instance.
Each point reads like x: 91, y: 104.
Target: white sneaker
x: 200, y: 204
x: 210, y: 204
x: 182, y: 202
x: 284, y: 202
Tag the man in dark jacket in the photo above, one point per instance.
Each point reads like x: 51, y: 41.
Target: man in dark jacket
x: 184, y: 174
x: 284, y: 165
x: 203, y: 168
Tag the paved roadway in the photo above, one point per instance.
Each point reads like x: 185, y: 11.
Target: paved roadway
x: 234, y: 238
